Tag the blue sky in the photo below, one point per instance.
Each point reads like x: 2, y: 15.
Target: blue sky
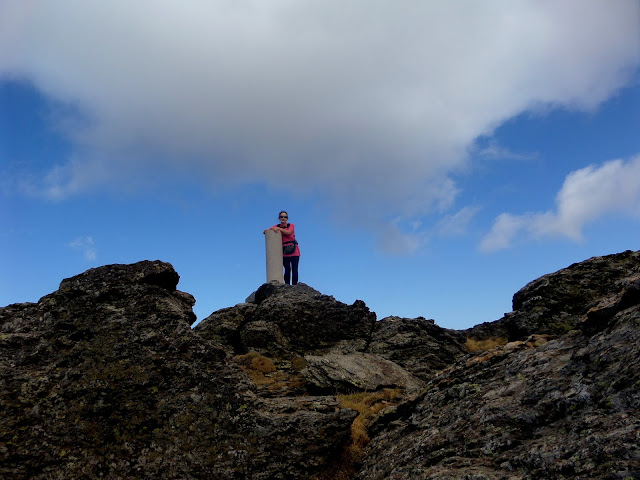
x: 435, y: 157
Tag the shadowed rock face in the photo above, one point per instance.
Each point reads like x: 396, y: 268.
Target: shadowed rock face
x: 558, y: 302
x: 291, y: 320
x: 345, y: 349
x: 416, y: 344
x: 105, y: 378
x: 562, y: 406
x: 565, y: 409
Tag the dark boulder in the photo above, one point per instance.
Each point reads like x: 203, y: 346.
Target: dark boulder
x: 292, y: 321
x: 224, y: 327
x: 416, y: 344
x: 99, y: 280
x: 559, y: 302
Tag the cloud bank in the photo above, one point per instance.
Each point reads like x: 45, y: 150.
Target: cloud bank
x: 372, y: 103
x: 586, y: 195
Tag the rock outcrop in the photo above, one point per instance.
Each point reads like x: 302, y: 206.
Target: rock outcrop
x: 556, y: 303
x: 357, y: 372
x: 561, y: 406
x: 567, y: 408
x: 416, y: 344
x: 105, y: 378
x: 293, y: 320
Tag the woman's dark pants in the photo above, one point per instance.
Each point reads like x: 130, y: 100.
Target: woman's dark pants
x: 291, y: 270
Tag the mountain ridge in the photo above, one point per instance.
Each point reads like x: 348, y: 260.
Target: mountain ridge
x: 105, y: 378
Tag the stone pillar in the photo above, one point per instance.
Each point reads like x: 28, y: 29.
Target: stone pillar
x: 273, y: 245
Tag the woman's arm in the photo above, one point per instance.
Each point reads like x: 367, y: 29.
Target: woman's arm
x: 287, y: 231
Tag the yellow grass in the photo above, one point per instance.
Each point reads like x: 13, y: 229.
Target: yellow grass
x: 264, y: 373
x: 473, y: 345
x: 257, y: 366
x: 367, y: 404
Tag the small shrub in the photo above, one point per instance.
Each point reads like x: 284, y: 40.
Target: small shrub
x: 256, y: 366
x: 298, y: 363
x: 268, y: 376
x: 256, y: 362
x: 473, y: 345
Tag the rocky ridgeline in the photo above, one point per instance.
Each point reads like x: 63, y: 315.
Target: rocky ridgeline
x: 105, y: 378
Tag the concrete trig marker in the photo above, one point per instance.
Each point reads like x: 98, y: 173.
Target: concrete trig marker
x: 273, y: 247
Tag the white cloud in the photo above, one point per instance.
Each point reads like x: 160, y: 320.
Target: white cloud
x: 86, y: 245
x: 505, y: 228
x: 392, y: 240
x: 369, y: 101
x: 586, y: 195
x: 457, y: 223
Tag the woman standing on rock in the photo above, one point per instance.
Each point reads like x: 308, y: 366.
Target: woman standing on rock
x: 290, y: 250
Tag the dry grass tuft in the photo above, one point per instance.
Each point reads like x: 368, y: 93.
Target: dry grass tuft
x: 473, y: 345
x: 257, y: 362
x: 367, y: 404
x: 270, y: 377
x: 257, y: 366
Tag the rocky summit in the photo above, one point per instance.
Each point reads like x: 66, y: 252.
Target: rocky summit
x: 106, y: 378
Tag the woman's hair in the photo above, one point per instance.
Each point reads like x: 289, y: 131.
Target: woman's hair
x: 281, y: 212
